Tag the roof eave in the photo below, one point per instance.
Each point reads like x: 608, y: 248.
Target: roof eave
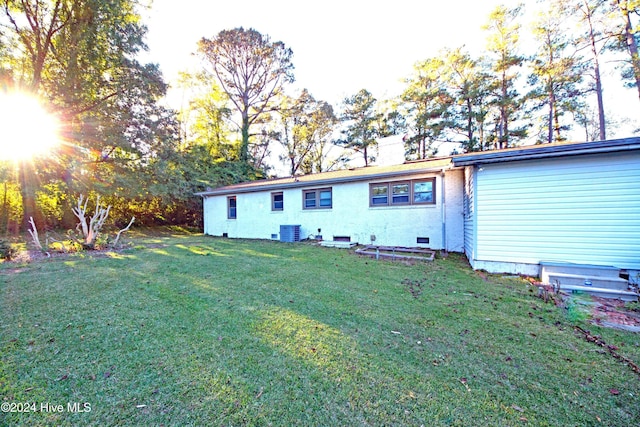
x: 319, y: 183
x: 545, y: 151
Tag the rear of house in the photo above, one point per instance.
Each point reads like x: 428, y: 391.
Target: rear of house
x: 569, y: 203
x: 417, y: 204
x: 508, y: 210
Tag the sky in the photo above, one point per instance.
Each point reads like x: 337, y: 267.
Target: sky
x: 342, y: 46
x: 339, y: 47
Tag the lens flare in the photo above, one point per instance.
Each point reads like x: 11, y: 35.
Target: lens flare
x: 27, y: 130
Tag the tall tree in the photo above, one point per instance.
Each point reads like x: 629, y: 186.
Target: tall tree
x: 251, y: 70
x: 556, y: 70
x: 360, y: 117
x: 306, y: 125
x: 628, y: 12
x: 428, y: 103
x: 470, y: 86
x: 590, y: 14
x: 79, y: 55
x: 502, y: 47
x: 204, y: 120
x: 34, y: 25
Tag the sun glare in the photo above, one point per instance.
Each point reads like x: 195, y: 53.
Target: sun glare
x: 27, y: 130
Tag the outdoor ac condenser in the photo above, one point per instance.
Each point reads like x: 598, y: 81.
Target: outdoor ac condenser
x: 289, y: 233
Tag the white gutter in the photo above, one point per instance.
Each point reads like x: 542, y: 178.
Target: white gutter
x: 443, y: 210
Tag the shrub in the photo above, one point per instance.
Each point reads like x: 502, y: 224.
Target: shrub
x: 7, y: 251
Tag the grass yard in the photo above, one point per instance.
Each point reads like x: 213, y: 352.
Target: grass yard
x: 193, y: 330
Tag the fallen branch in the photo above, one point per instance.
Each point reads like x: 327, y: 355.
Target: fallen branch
x: 34, y: 236
x: 115, y: 242
x: 611, y: 349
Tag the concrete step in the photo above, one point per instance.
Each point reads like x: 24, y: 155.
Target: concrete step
x: 337, y: 244
x: 601, y: 292
x: 549, y: 267
x: 587, y: 280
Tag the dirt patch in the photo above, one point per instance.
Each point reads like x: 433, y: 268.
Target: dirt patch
x: 606, y: 312
x: 614, y: 314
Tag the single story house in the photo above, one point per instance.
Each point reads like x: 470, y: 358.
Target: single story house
x: 417, y: 204
x: 507, y: 210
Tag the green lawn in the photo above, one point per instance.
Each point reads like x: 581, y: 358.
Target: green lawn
x: 193, y: 330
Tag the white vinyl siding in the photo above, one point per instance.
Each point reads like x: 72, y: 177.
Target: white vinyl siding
x: 469, y: 212
x: 582, y: 209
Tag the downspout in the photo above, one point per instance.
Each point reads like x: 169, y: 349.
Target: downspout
x: 443, y: 211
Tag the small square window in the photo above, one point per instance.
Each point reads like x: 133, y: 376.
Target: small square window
x: 277, y: 201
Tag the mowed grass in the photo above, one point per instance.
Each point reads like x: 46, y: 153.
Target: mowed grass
x: 194, y: 330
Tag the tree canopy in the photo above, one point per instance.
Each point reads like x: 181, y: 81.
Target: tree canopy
x: 82, y: 60
x: 251, y: 70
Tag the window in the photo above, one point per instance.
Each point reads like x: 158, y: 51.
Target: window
x: 317, y: 199
x: 310, y: 199
x: 379, y: 194
x: 231, y: 207
x: 423, y: 192
x: 400, y: 193
x: 277, y: 201
x: 417, y: 192
x: 325, y: 198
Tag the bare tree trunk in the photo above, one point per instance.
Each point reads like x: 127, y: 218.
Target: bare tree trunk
x: 5, y: 210
x: 28, y: 194
x: 631, y: 41
x: 244, y: 145
x: 556, y: 124
x: 293, y: 164
x: 470, y: 123
x: 503, y: 137
x: 33, y: 231
x: 601, y: 117
x: 550, y: 118
x: 115, y: 242
x: 90, y: 230
x: 588, y: 15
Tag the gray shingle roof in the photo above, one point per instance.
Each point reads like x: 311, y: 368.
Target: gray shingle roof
x: 547, y: 150
x: 334, y: 177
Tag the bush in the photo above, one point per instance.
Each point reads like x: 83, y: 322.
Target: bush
x: 7, y: 251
